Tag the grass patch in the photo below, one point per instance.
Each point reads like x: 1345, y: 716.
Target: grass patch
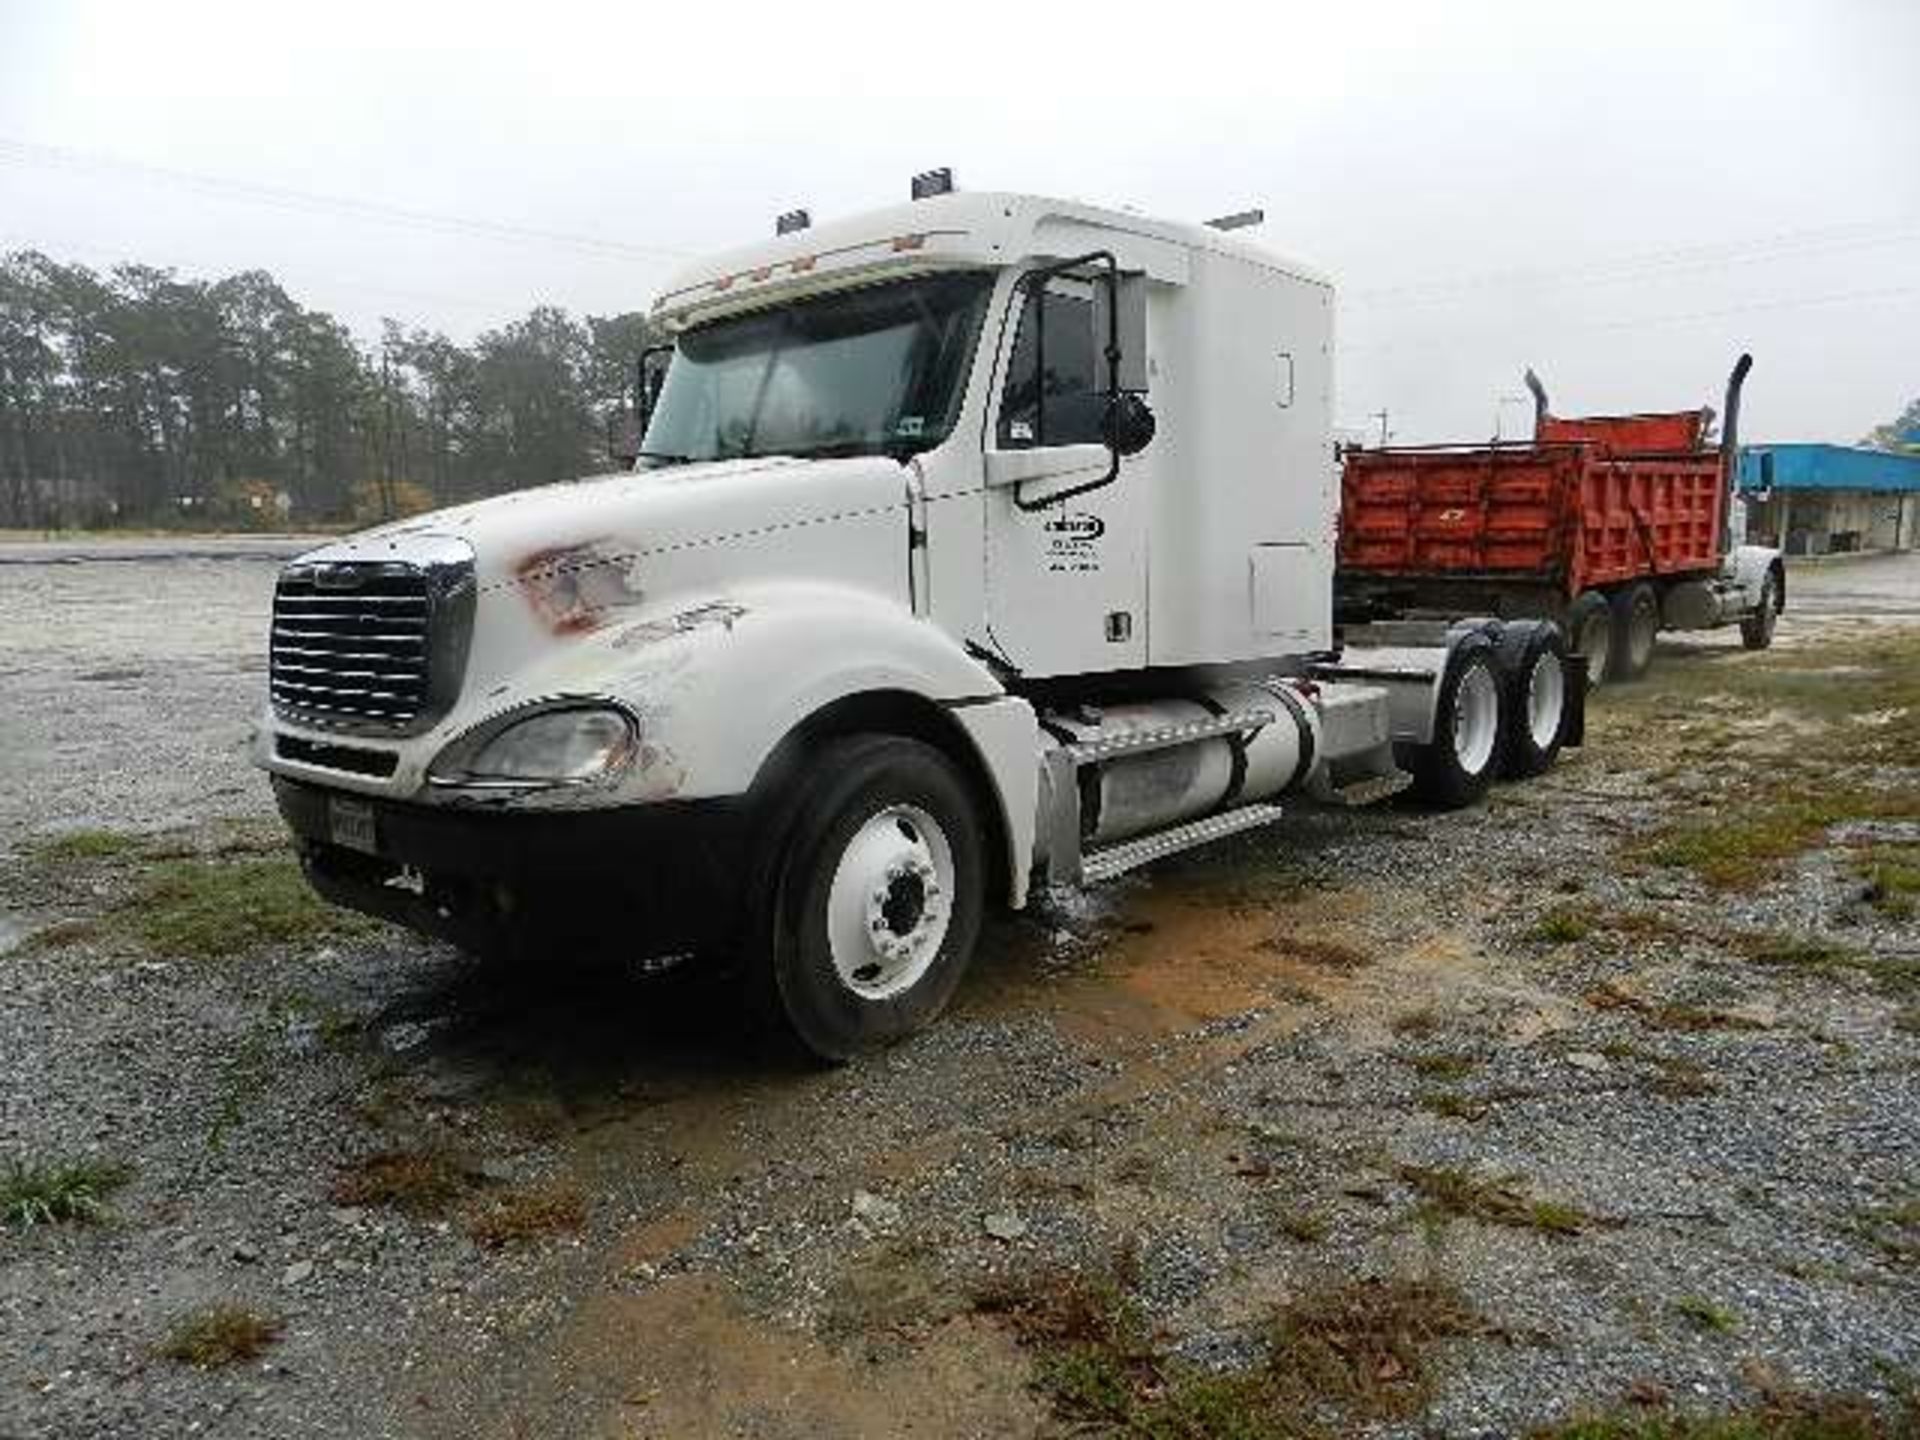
x: 1666, y: 1014
x: 1449, y: 1191
x: 1816, y: 955
x: 43, y: 1194
x: 1365, y: 1348
x: 62, y: 933
x: 1707, y: 1315
x: 1442, y: 1066
x: 210, y: 909
x: 1562, y: 925
x: 1746, y: 839
x: 1451, y: 1105
x: 518, y: 1216
x: 1894, y: 1230
x: 1804, y: 951
x: 420, y: 1182
x: 1683, y: 1080
x: 1892, y: 873
x: 1333, y: 1359
x: 1777, y: 1417
x: 1302, y: 1226
x: 81, y: 845
x: 219, y: 1335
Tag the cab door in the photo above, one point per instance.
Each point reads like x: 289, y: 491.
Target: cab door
x: 1066, y: 578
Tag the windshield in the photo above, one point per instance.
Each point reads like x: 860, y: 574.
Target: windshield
x: 877, y: 371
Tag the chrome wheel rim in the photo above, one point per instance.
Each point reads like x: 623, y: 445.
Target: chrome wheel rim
x: 1476, y: 718
x: 1546, y: 699
x: 890, y: 902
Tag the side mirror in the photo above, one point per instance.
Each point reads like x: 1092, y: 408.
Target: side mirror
x: 649, y: 374
x: 1130, y: 423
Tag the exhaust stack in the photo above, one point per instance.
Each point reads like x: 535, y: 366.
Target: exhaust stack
x: 1539, y: 402
x: 1730, y: 447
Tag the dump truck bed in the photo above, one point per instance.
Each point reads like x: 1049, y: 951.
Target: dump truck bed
x: 1589, y: 504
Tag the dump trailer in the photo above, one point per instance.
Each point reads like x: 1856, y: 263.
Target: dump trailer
x: 973, y: 546
x: 1614, y: 527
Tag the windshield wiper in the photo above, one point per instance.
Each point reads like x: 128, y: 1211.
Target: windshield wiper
x: 665, y: 459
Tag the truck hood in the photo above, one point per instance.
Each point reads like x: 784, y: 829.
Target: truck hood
x: 560, y: 562
x: 629, y: 514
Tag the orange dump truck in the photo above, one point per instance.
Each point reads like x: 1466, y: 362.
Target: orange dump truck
x: 1614, y: 526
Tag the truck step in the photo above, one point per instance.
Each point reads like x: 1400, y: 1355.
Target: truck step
x: 1089, y: 752
x: 1369, y: 789
x: 1116, y: 860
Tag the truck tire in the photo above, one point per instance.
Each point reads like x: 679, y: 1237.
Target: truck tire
x: 1756, y: 631
x: 1590, y: 633
x: 1636, y: 621
x: 869, y: 898
x: 1534, y: 659
x: 1456, y: 766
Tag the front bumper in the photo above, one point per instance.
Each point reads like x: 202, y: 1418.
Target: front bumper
x: 638, y: 881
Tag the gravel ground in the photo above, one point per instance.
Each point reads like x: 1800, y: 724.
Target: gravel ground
x: 1233, y: 1071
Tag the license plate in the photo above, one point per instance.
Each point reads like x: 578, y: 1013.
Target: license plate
x: 350, y: 823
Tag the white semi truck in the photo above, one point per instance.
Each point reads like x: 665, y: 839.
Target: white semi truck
x: 973, y: 545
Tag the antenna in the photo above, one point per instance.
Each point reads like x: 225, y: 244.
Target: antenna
x: 1239, y: 220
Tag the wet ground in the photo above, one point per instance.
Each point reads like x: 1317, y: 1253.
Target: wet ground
x: 1228, y: 1085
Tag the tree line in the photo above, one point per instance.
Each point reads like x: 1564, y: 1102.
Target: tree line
x: 137, y: 397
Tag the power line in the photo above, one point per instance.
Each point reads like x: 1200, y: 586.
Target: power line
x: 1785, y: 245
x: 296, y: 273
x: 25, y: 154
x: 1658, y: 322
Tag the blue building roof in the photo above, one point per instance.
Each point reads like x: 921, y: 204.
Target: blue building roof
x: 1826, y: 467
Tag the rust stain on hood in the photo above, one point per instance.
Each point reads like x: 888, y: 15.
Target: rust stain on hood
x: 570, y: 588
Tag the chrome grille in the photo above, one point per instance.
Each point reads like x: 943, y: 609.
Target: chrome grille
x: 369, y: 645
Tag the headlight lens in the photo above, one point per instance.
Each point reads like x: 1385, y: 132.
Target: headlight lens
x: 555, y: 745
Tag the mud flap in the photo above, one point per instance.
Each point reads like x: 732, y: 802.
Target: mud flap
x: 1573, y: 726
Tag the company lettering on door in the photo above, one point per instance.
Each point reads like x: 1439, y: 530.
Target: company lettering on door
x: 1073, y: 544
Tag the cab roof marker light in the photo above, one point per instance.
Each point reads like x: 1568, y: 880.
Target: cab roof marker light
x: 929, y: 183
x: 802, y: 265
x: 764, y: 272
x: 909, y: 242
x: 1239, y: 220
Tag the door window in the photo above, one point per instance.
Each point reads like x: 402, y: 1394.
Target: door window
x: 1064, y: 407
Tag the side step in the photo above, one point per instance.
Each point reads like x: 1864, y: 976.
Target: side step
x: 1116, y: 860
x: 1368, y: 790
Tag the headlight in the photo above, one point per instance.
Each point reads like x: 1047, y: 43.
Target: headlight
x: 558, y: 746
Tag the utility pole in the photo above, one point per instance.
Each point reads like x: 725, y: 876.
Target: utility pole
x: 386, y: 438
x: 1385, y: 434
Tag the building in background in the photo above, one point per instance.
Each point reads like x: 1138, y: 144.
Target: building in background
x: 1828, y: 499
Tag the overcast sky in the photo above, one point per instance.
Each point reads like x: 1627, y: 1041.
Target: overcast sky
x: 1623, y: 195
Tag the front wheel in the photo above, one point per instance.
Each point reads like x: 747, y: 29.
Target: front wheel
x: 871, y: 903
x: 1456, y: 766
x: 1756, y: 631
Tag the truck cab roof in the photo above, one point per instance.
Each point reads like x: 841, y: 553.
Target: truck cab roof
x: 973, y: 229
